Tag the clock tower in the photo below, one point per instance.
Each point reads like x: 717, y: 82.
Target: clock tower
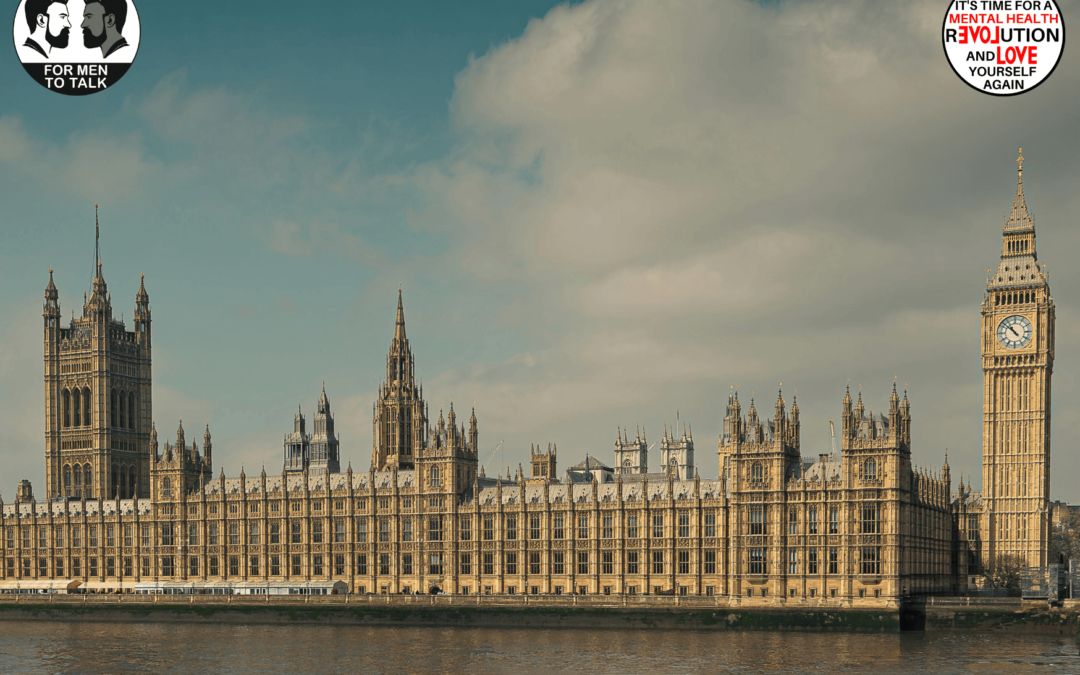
x: 1017, y: 363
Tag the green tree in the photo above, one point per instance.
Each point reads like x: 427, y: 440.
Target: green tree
x: 1004, y: 571
x: 1065, y: 537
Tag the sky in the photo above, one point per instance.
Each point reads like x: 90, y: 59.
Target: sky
x: 602, y: 214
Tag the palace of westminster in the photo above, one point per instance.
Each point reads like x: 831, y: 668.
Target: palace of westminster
x: 858, y: 526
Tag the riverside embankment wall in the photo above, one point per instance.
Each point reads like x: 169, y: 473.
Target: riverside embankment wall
x: 934, y: 614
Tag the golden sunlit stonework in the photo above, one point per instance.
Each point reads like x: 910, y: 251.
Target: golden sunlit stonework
x: 859, y: 526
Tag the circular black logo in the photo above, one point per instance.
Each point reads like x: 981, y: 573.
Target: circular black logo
x: 76, y: 47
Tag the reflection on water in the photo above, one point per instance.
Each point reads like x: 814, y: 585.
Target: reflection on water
x: 92, y: 648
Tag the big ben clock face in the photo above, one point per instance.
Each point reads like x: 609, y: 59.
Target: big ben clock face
x: 1014, y: 332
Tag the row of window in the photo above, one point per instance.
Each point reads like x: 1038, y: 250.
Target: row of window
x: 869, y: 563
x: 758, y: 525
x: 869, y: 520
x: 214, y: 566
x: 869, y: 471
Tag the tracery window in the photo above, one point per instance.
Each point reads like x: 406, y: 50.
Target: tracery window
x: 870, y: 470
x: 869, y: 560
x: 870, y: 518
x: 757, y: 520
x: 757, y: 472
x: 757, y: 560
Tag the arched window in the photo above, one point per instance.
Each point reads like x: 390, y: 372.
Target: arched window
x: 88, y: 479
x: 133, y: 483
x: 78, y: 476
x: 123, y: 482
x: 870, y: 470
x: 757, y: 473
x: 166, y: 488
x: 434, y: 476
x: 112, y: 409
x: 66, y: 396
x: 115, y: 481
x: 86, y: 406
x: 67, y: 480
x: 76, y: 406
x: 131, y: 411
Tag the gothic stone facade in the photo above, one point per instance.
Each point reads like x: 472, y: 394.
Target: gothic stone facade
x: 860, y: 526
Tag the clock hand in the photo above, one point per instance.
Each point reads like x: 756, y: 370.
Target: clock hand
x: 1013, y: 329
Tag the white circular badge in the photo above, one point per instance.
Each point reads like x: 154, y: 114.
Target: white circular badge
x: 76, y: 47
x: 1003, y: 47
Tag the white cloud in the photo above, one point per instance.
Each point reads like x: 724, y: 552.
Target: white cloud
x: 702, y: 194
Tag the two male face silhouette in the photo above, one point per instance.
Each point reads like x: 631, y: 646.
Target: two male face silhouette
x: 103, y: 22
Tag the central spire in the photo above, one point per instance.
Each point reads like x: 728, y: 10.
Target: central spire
x: 399, y: 329
x: 400, y: 415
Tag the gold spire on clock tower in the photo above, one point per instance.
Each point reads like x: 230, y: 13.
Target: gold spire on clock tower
x: 1017, y: 360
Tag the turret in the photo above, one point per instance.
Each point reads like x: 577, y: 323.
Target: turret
x: 180, y: 439
x: 51, y: 308
x: 142, y: 313
x: 473, y: 434
x: 207, y: 447
x: 847, y: 417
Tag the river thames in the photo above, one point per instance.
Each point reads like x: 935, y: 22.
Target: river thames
x: 100, y: 648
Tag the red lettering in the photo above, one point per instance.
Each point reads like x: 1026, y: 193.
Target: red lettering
x: 1016, y: 54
